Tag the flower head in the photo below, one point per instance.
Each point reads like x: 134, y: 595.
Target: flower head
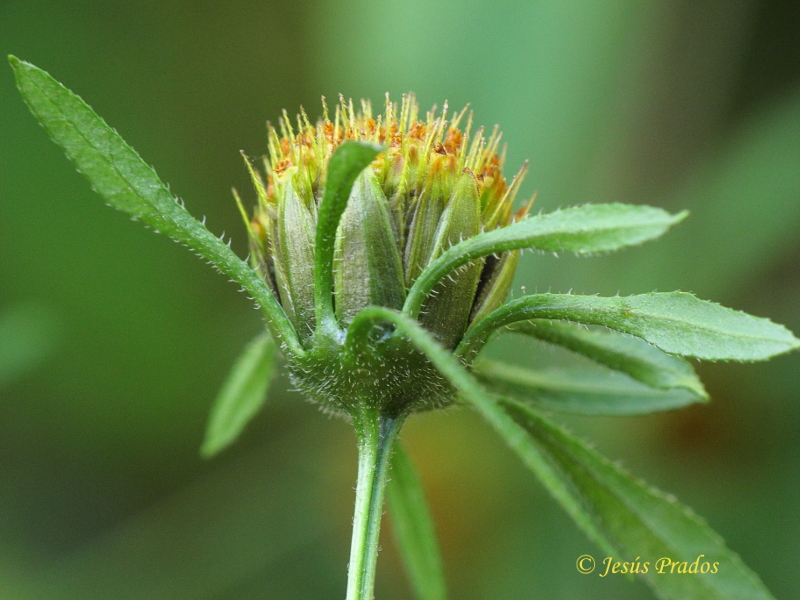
x: 433, y: 186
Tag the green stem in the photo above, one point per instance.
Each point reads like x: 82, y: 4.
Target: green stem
x: 377, y: 433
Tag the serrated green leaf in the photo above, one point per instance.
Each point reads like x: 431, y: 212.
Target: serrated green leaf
x: 620, y: 352
x: 241, y: 396
x: 639, y: 522
x: 579, y: 391
x: 127, y: 183
x: 413, y: 528
x: 582, y: 229
x: 676, y: 322
x: 623, y: 516
x: 349, y: 159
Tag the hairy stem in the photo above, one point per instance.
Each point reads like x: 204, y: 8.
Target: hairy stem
x: 377, y: 433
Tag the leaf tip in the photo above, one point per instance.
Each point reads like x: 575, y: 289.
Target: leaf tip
x: 211, y: 447
x: 374, y: 146
x: 795, y: 343
x: 13, y: 61
x: 679, y: 217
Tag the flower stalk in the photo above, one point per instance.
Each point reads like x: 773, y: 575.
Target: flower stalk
x: 377, y: 433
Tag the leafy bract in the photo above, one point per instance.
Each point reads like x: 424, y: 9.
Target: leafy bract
x: 119, y: 175
x: 623, y: 516
x: 580, y: 391
x: 581, y: 229
x: 413, y: 528
x: 676, y: 322
x: 241, y: 396
x: 684, y: 558
x: 625, y: 353
x: 347, y: 161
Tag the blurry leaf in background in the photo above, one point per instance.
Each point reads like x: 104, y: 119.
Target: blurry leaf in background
x: 242, y: 394
x: 28, y: 333
x: 413, y: 528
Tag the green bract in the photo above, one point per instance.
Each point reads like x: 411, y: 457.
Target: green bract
x: 382, y: 250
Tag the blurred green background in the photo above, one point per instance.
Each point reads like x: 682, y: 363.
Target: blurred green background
x: 113, y: 340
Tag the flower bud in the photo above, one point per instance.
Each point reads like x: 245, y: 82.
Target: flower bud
x: 431, y: 188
